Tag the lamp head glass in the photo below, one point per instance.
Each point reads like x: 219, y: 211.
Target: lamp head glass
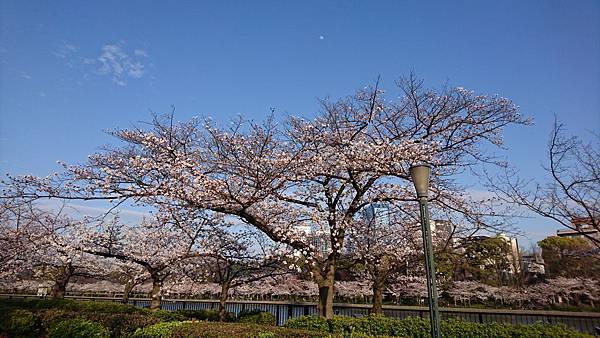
x: 420, y: 176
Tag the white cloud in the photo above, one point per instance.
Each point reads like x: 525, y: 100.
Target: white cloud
x: 114, y: 61
x: 65, y: 50
x: 136, y: 70
x: 140, y: 52
x: 26, y: 76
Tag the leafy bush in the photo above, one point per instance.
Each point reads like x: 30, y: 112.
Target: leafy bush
x: 71, y: 305
x: 408, y: 327
x: 315, y: 323
x: 419, y: 328
x: 50, y: 317
x: 266, y: 335
x: 550, y: 331
x: 168, y: 316
x: 78, y: 328
x: 119, y: 324
x: 379, y: 325
x: 207, y: 315
x: 257, y: 317
x: 159, y: 330
x: 20, y: 323
x: 454, y: 328
x: 228, y: 330
x: 122, y: 325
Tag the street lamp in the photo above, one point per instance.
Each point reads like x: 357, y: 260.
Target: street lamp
x: 420, y: 176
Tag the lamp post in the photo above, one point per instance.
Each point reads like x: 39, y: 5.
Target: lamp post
x: 420, y: 176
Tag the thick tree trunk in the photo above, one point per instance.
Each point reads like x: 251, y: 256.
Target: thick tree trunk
x: 59, y: 289
x: 61, y: 280
x: 127, y: 291
x: 326, y: 291
x: 156, y: 294
x: 222, y: 301
x: 378, y: 286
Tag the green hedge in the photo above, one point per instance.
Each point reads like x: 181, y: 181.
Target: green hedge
x: 119, y: 324
x: 239, y: 330
x: 257, y: 317
x: 33, y: 317
x: 168, y: 316
x: 315, y: 323
x: 160, y: 330
x: 207, y: 315
x: 78, y: 328
x: 20, y: 323
x: 419, y: 328
x: 71, y: 305
x: 220, y: 330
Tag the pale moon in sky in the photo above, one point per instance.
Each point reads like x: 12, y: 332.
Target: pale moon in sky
x: 321, y: 37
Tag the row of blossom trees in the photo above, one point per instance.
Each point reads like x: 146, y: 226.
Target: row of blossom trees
x: 282, y: 178
x: 160, y: 248
x: 573, y: 291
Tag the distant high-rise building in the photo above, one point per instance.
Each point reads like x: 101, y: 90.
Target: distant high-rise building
x: 320, y: 240
x: 377, y: 217
x: 377, y: 214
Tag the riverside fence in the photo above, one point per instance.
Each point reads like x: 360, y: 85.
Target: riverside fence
x: 588, y: 322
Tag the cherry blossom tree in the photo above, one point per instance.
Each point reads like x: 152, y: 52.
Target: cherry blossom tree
x: 15, y: 220
x: 233, y: 258
x: 160, y: 245
x: 128, y: 274
x: 465, y: 291
x: 352, y: 290
x: 409, y: 287
x: 383, y: 244
x: 307, y: 173
x: 46, y: 244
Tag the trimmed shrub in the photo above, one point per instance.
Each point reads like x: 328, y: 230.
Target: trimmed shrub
x: 168, y: 316
x: 159, y: 330
x: 20, y: 323
x: 409, y: 327
x: 119, y: 325
x: 266, y: 335
x: 72, y: 305
x: 50, y: 317
x: 239, y: 330
x: 122, y: 325
x: 78, y: 328
x: 419, y: 328
x: 257, y: 317
x: 379, y: 325
x: 206, y: 315
x: 315, y: 323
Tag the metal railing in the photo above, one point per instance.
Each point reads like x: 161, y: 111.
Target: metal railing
x: 587, y: 322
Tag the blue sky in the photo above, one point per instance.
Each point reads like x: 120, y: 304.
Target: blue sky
x: 70, y: 69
